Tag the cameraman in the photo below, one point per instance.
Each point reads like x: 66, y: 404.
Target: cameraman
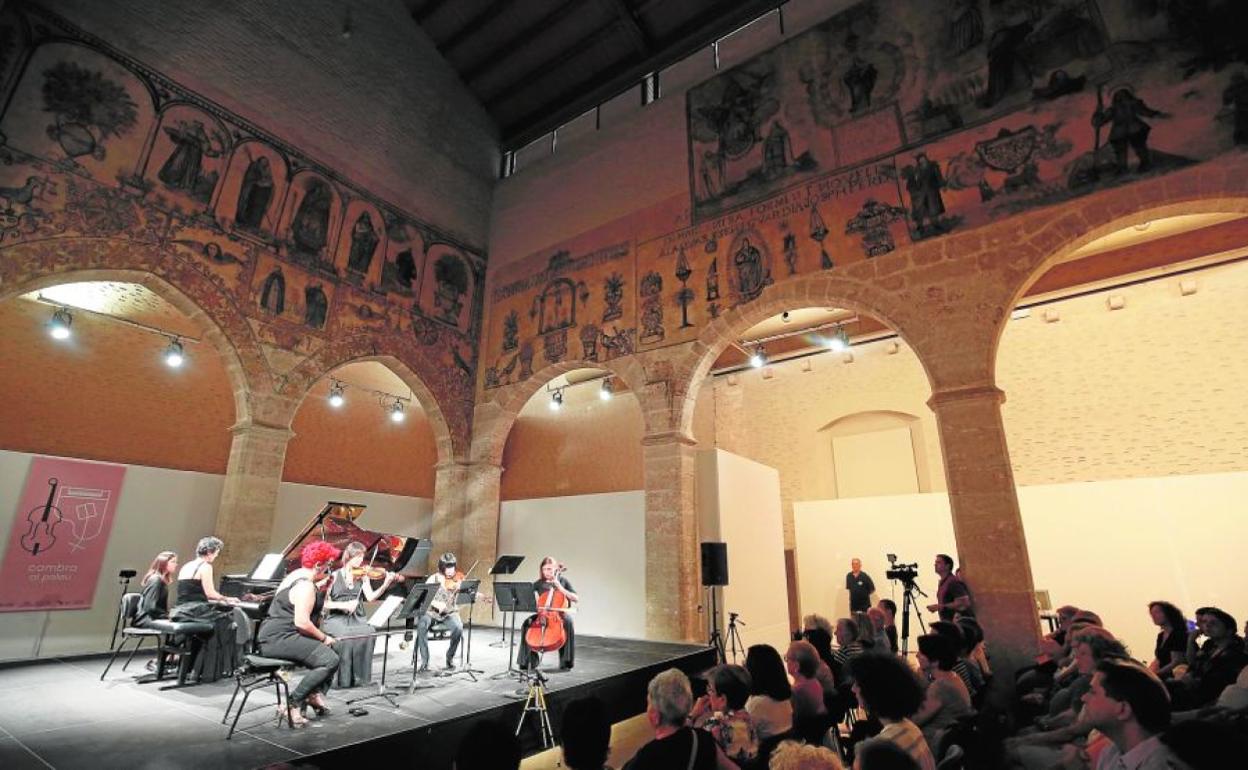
x: 952, y: 596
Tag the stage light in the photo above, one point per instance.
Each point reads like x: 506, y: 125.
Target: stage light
x: 556, y: 400
x: 59, y: 326
x: 174, y: 355
x: 336, y: 398
x: 839, y: 340
x: 606, y: 391
x: 396, y: 412
x: 758, y: 358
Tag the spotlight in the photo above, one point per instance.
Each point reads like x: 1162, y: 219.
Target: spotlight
x: 59, y: 326
x: 174, y: 355
x: 758, y: 358
x: 606, y: 391
x: 839, y: 340
x: 556, y: 400
x: 336, y: 399
x: 396, y: 412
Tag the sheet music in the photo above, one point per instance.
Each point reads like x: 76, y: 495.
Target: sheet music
x: 383, y: 613
x: 267, y: 567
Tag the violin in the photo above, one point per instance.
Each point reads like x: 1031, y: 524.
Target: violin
x: 43, y: 520
x: 376, y: 573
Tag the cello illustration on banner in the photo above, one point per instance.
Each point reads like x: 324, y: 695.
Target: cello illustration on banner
x: 43, y: 521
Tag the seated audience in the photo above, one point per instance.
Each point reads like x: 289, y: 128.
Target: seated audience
x: 771, y: 698
x: 879, y: 633
x: 1130, y: 706
x: 792, y: 755
x: 977, y: 653
x: 946, y: 700
x: 882, y: 755
x: 848, y: 644
x: 669, y: 700
x: 1171, y: 647
x: 889, y: 608
x: 586, y: 735
x: 1204, y: 745
x: 866, y: 632
x: 721, y: 712
x: 488, y: 745
x: 802, y: 663
x: 892, y: 693
x: 1214, y: 666
x: 968, y: 672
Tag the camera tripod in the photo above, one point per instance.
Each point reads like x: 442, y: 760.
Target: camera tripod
x: 535, y: 702
x: 716, y: 639
x: 909, y: 603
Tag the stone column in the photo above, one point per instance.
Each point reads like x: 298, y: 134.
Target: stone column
x: 249, y: 497
x: 479, y: 538
x: 672, y: 566
x: 449, y: 483
x: 986, y: 523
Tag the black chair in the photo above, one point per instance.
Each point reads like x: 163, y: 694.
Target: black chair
x: 954, y: 759
x: 258, y: 672
x: 129, y: 609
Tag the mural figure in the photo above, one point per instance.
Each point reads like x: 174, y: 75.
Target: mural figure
x: 777, y: 151
x: 613, y: 295
x: 923, y: 183
x: 363, y: 243
x: 652, y: 308
x: 310, y: 228
x: 400, y: 274
x: 589, y: 342
x: 526, y: 360
x: 819, y: 231
x: 254, y: 195
x: 18, y: 213
x: 88, y: 108
x: 872, y: 223
x: 1127, y: 129
x: 752, y: 274
x: 712, y: 173
x: 1006, y: 67
x: 315, y: 306
x: 1236, y: 97
x: 619, y: 343
x: 790, y: 252
x: 511, y: 331
x: 451, y: 279
x: 273, y: 292
x: 712, y: 280
x: 966, y: 26
x: 860, y: 79
x: 183, y: 169
x: 555, y: 307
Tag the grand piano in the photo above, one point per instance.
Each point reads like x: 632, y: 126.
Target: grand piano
x: 335, y: 524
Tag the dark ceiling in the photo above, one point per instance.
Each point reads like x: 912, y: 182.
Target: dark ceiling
x: 536, y: 64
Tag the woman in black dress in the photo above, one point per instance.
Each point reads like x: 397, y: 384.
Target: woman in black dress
x: 290, y: 632
x: 216, y: 656
x: 550, y: 578
x: 344, y: 616
x: 154, y: 589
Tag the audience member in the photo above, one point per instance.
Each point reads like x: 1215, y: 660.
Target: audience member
x: 1202, y: 745
x: 947, y: 699
x: 721, y: 712
x: 488, y: 745
x: 810, y: 712
x: 882, y: 755
x: 586, y: 735
x: 952, y: 598
x: 669, y: 700
x: 1216, y: 663
x: 879, y: 633
x: 968, y: 672
x: 891, y: 692
x: 977, y: 653
x: 848, y: 646
x: 1171, y: 647
x: 771, y: 697
x: 889, y: 608
x: 792, y: 755
x: 866, y: 632
x: 1129, y: 705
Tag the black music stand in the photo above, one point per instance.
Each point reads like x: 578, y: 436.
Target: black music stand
x: 417, y: 604
x: 513, y: 598
x: 468, y: 596
x: 506, y: 565
x: 382, y: 692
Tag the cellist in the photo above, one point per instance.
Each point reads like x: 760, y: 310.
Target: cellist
x: 551, y: 578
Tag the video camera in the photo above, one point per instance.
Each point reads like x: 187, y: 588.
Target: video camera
x: 906, y: 573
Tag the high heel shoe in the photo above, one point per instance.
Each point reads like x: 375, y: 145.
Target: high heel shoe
x: 293, y: 714
x: 320, y: 707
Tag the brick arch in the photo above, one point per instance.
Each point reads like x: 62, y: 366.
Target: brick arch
x: 494, y: 417
x: 32, y: 266
x: 820, y: 290
x: 451, y: 444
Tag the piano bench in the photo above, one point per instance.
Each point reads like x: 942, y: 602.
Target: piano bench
x: 257, y: 672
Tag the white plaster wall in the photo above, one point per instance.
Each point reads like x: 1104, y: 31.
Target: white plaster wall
x: 601, y: 539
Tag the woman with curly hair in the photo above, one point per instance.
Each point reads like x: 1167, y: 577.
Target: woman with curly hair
x: 1171, y: 647
x: 289, y: 632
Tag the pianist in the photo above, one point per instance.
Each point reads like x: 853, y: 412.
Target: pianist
x: 215, y: 656
x: 350, y: 587
x: 290, y: 633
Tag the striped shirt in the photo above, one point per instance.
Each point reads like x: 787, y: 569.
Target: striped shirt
x: 909, y: 738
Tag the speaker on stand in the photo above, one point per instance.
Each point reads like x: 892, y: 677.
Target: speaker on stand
x: 715, y: 574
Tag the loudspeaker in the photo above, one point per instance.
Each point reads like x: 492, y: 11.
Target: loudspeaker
x: 714, y: 564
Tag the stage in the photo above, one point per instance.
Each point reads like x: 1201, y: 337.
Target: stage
x: 58, y: 714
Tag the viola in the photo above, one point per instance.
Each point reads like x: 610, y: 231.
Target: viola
x: 546, y: 632
x: 43, y: 520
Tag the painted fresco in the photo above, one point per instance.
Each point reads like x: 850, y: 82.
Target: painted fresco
x: 888, y: 124
x: 93, y: 144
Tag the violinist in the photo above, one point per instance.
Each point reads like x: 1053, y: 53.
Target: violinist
x: 448, y: 577
x: 290, y: 633
x: 350, y: 586
x: 551, y: 579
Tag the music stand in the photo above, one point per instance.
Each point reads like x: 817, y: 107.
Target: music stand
x: 513, y: 598
x: 417, y: 604
x: 468, y: 596
x: 384, y: 614
x: 507, y: 564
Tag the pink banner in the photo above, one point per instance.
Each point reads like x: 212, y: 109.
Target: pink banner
x: 59, y: 535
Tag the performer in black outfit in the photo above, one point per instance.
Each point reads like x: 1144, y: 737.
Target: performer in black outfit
x: 154, y: 596
x: 349, y: 588
x: 289, y: 632
x: 198, y: 600
x: 551, y: 577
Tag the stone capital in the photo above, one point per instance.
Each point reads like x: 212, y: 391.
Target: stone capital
x: 254, y: 428
x: 967, y: 393
x: 676, y: 437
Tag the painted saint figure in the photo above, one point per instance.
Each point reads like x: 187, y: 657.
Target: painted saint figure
x: 316, y: 306
x: 181, y: 170
x: 255, y: 194
x: 923, y: 182
x: 1127, y: 129
x: 451, y: 278
x: 273, y: 292
x: 777, y: 150
x: 751, y: 274
x: 860, y: 80
x: 363, y: 244
x: 310, y: 228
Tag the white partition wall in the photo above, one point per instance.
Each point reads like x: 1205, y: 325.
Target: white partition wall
x: 601, y: 540
x: 1109, y: 546
x: 739, y: 504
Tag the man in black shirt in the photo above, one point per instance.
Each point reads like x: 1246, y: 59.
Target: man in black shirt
x: 860, y: 587
x: 952, y: 598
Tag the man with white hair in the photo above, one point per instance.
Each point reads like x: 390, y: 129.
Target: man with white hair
x: 669, y: 699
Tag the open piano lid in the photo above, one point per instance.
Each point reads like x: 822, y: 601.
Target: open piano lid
x: 335, y: 524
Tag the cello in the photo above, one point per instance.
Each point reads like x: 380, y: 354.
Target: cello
x: 546, y: 632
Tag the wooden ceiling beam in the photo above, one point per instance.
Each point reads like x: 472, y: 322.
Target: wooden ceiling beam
x: 475, y: 24
x: 522, y: 37
x: 638, y: 36
x: 532, y: 76
x: 427, y: 10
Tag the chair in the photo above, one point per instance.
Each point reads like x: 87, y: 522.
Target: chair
x: 954, y: 759
x: 258, y: 672
x: 129, y: 609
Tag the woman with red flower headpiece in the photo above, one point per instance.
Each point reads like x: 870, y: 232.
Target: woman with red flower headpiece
x: 290, y: 633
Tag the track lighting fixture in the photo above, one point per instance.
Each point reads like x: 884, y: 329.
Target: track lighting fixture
x: 175, y: 356
x: 839, y: 340
x: 59, y: 326
x: 556, y: 399
x: 606, y: 390
x: 396, y: 412
x: 336, y: 399
x: 758, y: 358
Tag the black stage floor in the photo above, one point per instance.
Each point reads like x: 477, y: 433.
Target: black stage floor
x: 58, y: 714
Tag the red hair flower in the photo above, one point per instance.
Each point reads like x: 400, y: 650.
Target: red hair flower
x: 318, y: 552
